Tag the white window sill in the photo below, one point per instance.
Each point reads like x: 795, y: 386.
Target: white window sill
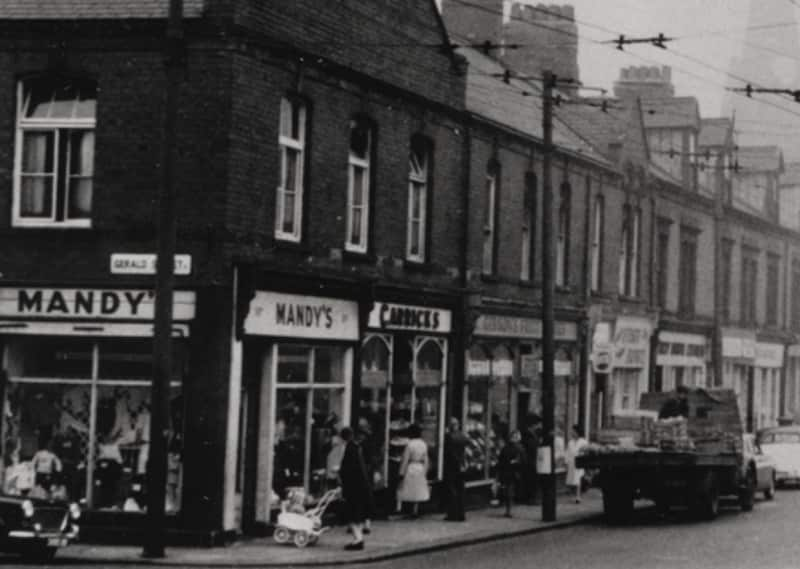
x: 47, y: 224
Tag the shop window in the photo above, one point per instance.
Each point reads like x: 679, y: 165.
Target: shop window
x: 627, y: 389
x: 88, y: 402
x: 376, y: 359
x: 309, y: 410
x: 289, y: 195
x: 486, y: 409
x: 54, y: 165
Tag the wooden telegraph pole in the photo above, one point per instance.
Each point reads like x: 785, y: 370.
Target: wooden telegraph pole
x: 548, y: 292
x: 155, y: 529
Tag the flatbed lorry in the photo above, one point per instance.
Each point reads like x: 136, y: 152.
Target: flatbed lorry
x: 712, y: 465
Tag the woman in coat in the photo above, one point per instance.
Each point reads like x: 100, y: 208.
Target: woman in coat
x: 575, y: 474
x: 355, y: 488
x: 414, y: 471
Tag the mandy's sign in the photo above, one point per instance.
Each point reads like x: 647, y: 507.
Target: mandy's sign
x: 295, y: 316
x: 78, y: 303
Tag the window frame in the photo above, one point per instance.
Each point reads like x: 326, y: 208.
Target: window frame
x: 663, y: 235
x: 489, y: 226
x: 563, y: 235
x: 285, y: 143
x: 687, y: 271
x: 60, y: 166
x: 528, y: 227
x: 772, y: 289
x: 749, y: 281
x: 421, y: 180
x: 596, y: 244
x: 726, y: 270
x: 355, y: 162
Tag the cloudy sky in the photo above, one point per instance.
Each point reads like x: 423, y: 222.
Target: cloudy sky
x: 710, y: 36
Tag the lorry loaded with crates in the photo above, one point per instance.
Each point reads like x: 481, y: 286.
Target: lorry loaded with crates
x: 688, y: 461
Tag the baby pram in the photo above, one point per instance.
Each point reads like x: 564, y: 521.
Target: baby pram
x: 304, y: 528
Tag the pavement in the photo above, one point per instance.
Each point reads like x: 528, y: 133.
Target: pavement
x: 389, y: 539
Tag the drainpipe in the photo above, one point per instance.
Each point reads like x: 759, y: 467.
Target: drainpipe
x: 455, y: 387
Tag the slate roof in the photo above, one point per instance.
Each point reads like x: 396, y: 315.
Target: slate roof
x: 715, y: 132
x: 508, y: 105
x: 760, y: 158
x: 671, y: 112
x: 93, y: 9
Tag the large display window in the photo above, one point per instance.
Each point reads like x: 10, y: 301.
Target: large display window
x: 309, y: 408
x: 402, y: 382
x: 76, y: 420
x: 487, y: 409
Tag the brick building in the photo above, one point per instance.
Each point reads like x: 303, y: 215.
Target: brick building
x: 319, y: 186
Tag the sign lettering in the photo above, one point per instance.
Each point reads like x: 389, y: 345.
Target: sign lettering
x: 296, y: 316
x: 388, y: 316
x: 89, y: 303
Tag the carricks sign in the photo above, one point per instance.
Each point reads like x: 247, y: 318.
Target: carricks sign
x: 74, y: 303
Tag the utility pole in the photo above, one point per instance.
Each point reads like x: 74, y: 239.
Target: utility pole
x: 155, y: 530
x: 548, y: 292
x: 719, y: 309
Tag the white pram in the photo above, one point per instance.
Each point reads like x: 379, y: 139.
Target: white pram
x: 304, y: 528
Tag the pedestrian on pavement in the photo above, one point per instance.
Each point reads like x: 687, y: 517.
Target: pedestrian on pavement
x: 509, y: 468
x: 530, y: 442
x: 355, y: 488
x: 574, y: 474
x: 413, y: 486
x: 366, y: 441
x: 455, y: 444
x: 677, y: 405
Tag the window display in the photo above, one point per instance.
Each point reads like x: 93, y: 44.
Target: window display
x: 77, y: 414
x: 487, y: 408
x: 309, y: 410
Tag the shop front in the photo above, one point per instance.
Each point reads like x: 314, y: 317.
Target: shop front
x: 296, y: 390
x: 503, y: 387
x: 738, y: 359
x: 76, y: 392
x: 403, y: 381
x: 681, y: 359
x: 791, y: 397
x: 767, y: 383
x: 630, y: 362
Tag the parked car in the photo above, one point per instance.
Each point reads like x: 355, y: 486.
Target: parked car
x: 782, y: 444
x: 36, y: 528
x: 766, y: 471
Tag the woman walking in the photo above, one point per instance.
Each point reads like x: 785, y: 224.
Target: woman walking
x: 414, y: 471
x: 575, y: 474
x: 509, y: 468
x: 355, y: 489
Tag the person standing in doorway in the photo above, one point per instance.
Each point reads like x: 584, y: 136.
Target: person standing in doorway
x: 455, y: 444
x: 414, y: 471
x: 355, y: 489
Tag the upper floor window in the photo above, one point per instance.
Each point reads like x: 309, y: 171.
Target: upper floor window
x: 54, y: 153
x: 662, y: 262
x: 562, y: 239
x: 726, y: 274
x: 490, y: 219
x: 687, y: 271
x: 358, y: 186
x: 598, y: 223
x: 795, y: 294
x: 771, y: 290
x: 630, y: 246
x: 748, y: 288
x: 528, y: 225
x: 292, y: 143
x: 418, y: 182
